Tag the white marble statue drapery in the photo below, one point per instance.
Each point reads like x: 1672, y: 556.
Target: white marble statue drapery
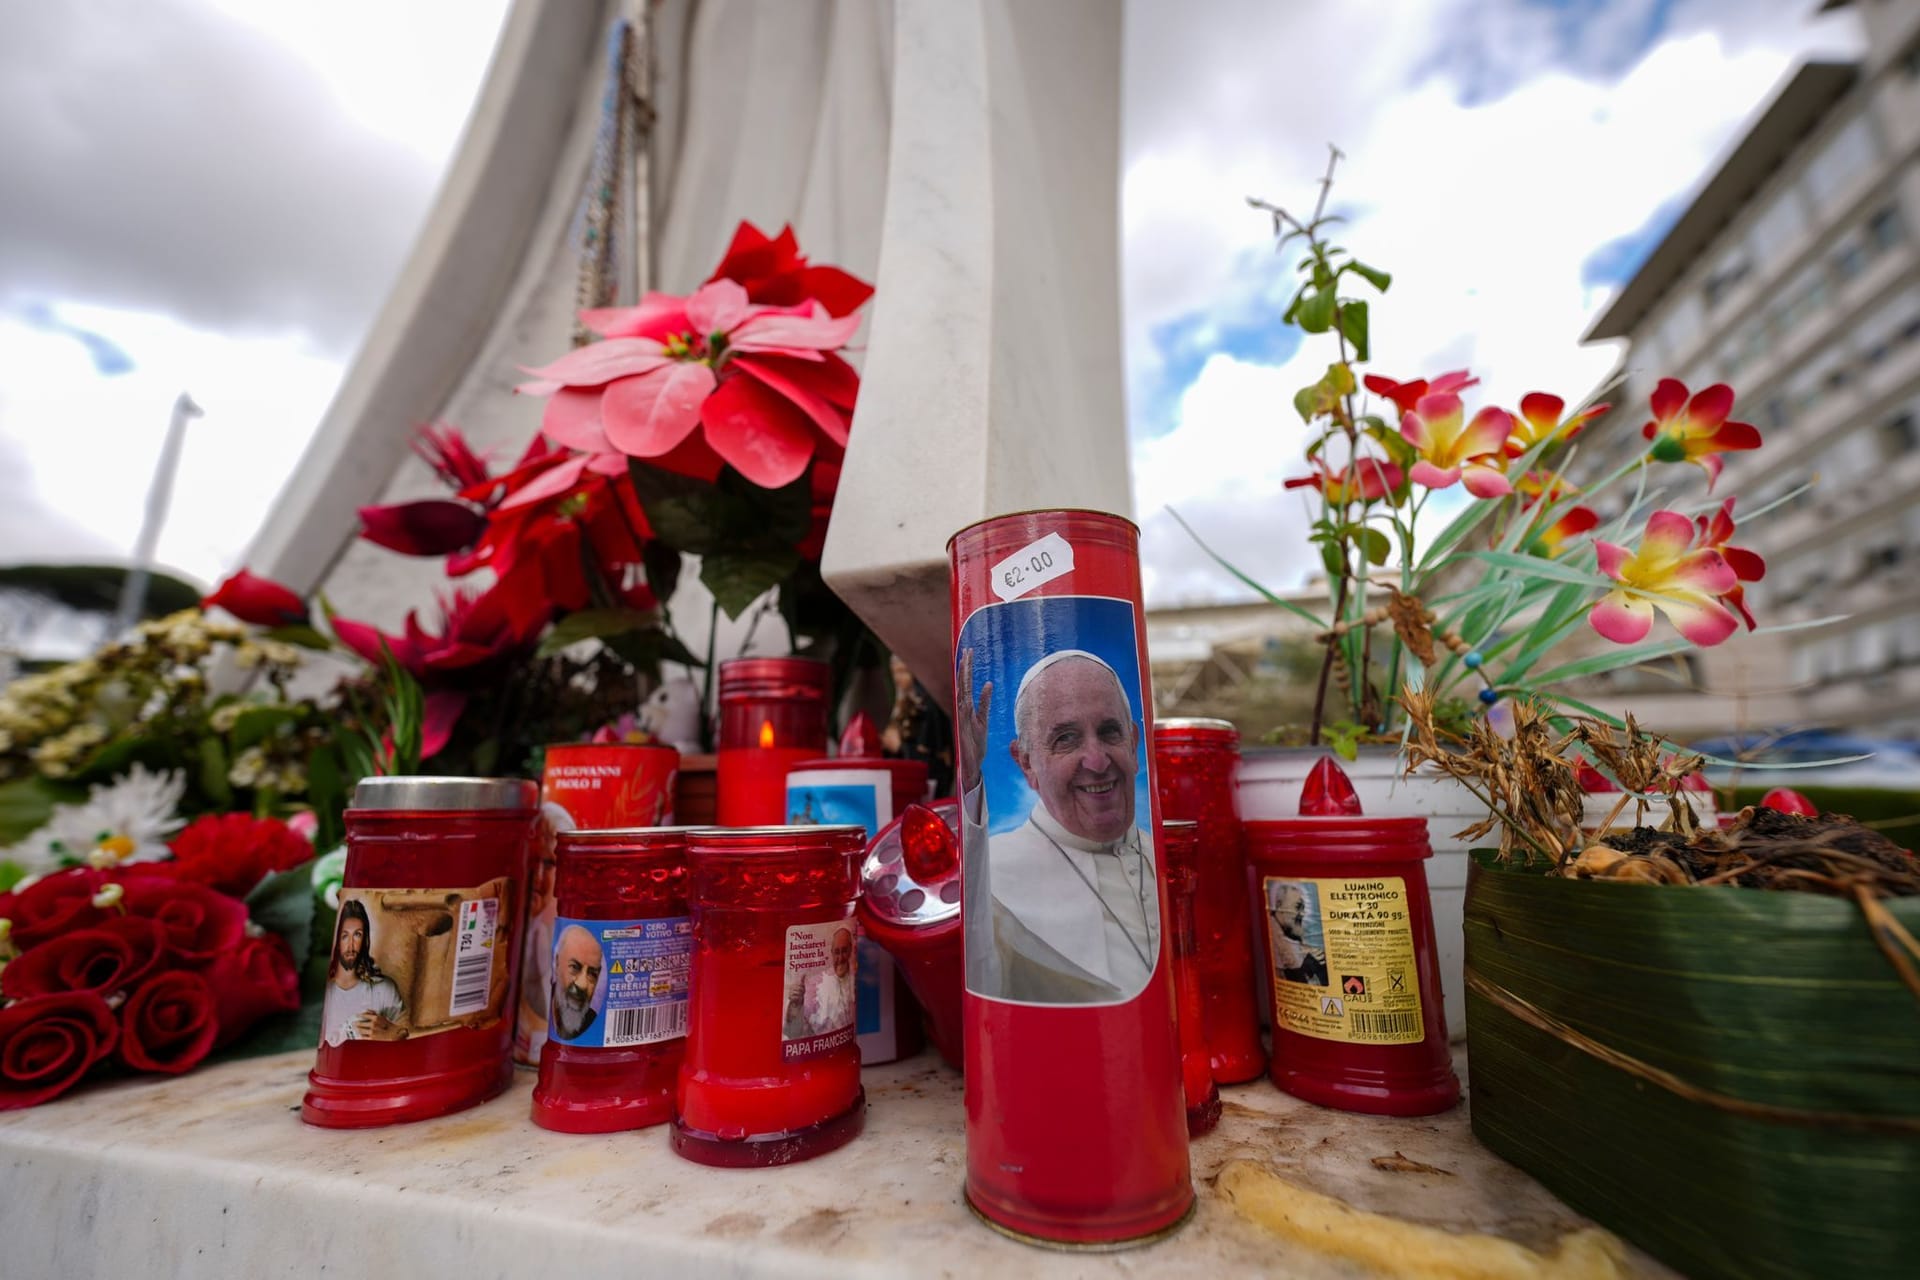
x: 963, y: 154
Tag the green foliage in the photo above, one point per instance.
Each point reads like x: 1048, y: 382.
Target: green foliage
x: 284, y: 903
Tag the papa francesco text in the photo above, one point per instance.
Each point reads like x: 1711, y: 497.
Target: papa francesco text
x: 793, y: 1049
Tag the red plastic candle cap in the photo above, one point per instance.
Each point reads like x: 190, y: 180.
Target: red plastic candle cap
x: 1787, y: 800
x: 927, y: 847
x: 1594, y: 782
x: 1328, y: 792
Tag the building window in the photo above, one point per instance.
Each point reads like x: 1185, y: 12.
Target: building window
x: 1722, y: 281
x: 1851, y: 260
x: 1775, y: 230
x: 1899, y: 435
x: 1848, y: 156
x: 1883, y: 229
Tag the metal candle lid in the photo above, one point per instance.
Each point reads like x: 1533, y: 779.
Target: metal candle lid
x: 911, y: 874
x: 446, y: 794
x: 1195, y: 729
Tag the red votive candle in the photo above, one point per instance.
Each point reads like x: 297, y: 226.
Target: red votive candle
x: 1181, y: 842
x: 1196, y: 761
x: 417, y: 1018
x: 772, y: 1072
x: 1358, y: 1021
x: 622, y: 944
x: 773, y: 715
x: 910, y: 905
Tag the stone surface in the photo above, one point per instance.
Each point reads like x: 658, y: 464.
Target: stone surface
x: 213, y: 1174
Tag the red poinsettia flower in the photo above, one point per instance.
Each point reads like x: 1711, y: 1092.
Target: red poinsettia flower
x: 1364, y: 480
x: 1405, y: 395
x: 445, y: 449
x: 1715, y: 530
x: 775, y: 273
x: 1696, y: 430
x: 1539, y: 420
x: 261, y: 601
x: 760, y: 384
x: 430, y: 527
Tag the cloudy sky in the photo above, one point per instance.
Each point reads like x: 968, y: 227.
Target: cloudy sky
x: 213, y: 195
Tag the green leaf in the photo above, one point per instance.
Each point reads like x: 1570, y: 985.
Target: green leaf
x: 1537, y: 567
x: 213, y: 773
x: 327, y: 793
x: 1306, y: 400
x: 1632, y: 655
x: 663, y: 564
x: 1353, y: 323
x: 1305, y: 615
x: 647, y: 648
x: 300, y: 634
x: 25, y: 806
x: 592, y: 624
x: 1315, y: 313
x: 257, y: 723
x: 737, y: 579
x: 1375, y: 543
x: 1330, y: 557
x: 283, y: 903
x: 1373, y: 275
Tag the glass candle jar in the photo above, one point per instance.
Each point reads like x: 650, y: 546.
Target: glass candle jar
x: 617, y: 999
x: 1181, y: 841
x: 417, y: 1020
x: 772, y: 1073
x: 1196, y: 762
x: 1358, y: 1021
x: 773, y: 715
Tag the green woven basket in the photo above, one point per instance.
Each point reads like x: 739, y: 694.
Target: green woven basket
x: 1729, y: 1078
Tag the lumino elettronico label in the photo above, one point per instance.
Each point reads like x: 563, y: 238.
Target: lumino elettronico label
x: 618, y: 983
x: 1343, y: 959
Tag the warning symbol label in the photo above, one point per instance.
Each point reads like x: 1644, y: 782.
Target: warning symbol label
x: 1333, y: 1006
x: 1353, y: 984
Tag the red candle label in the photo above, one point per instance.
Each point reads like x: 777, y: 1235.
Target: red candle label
x: 1062, y: 895
x: 818, y: 995
x: 619, y: 982
x: 414, y: 962
x: 1343, y: 965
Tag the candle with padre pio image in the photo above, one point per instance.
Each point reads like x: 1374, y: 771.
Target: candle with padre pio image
x: 1076, y: 1125
x: 773, y: 715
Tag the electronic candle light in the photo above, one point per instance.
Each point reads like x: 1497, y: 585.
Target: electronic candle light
x: 1344, y: 916
x: 772, y: 1072
x: 1181, y: 840
x: 910, y: 905
x: 773, y: 715
x: 416, y: 1021
x: 617, y: 999
x: 1196, y: 761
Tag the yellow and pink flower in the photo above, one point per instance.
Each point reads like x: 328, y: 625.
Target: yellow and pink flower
x: 1553, y: 539
x: 1405, y: 395
x: 1714, y: 531
x: 1685, y: 581
x: 1696, y: 430
x: 1540, y: 420
x: 1453, y: 450
x: 1363, y: 480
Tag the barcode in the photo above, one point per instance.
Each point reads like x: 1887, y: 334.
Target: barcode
x: 646, y: 1024
x: 1385, y: 1025
x: 472, y: 982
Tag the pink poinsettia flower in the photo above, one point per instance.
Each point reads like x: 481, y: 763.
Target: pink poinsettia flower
x: 1452, y: 449
x: 1668, y: 571
x: 1714, y: 531
x: 1363, y: 480
x: 1405, y: 395
x: 1539, y: 420
x: 759, y: 384
x: 1696, y: 430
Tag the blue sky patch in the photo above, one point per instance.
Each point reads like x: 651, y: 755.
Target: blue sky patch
x: 1614, y: 262
x: 1245, y: 325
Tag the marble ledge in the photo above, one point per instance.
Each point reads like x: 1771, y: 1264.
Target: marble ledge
x: 213, y: 1174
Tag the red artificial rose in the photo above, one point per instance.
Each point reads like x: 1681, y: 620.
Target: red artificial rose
x: 261, y: 601
x: 112, y: 956
x: 233, y: 852
x: 48, y: 1042
x: 169, y: 1023
x: 52, y: 905
x: 251, y: 981
x: 201, y: 924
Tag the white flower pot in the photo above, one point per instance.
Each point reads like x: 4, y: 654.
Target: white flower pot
x: 1270, y: 783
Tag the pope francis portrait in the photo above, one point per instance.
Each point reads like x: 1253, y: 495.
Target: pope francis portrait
x: 1067, y: 910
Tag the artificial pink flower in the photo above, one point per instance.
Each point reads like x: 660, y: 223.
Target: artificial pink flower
x: 1363, y: 480
x: 1714, y: 531
x: 762, y: 381
x: 1539, y: 420
x: 261, y: 601
x: 1575, y: 521
x: 1667, y: 570
x: 1405, y: 395
x: 1452, y: 449
x: 1696, y: 430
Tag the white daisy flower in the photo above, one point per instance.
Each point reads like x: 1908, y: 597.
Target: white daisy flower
x: 127, y: 819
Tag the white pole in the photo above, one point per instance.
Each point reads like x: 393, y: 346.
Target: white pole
x: 133, y: 592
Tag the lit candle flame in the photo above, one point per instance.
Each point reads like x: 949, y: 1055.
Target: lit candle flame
x: 766, y: 734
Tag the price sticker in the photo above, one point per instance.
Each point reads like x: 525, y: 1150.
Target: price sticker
x: 1034, y: 565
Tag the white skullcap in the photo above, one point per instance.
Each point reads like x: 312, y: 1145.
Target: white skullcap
x: 1060, y: 655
